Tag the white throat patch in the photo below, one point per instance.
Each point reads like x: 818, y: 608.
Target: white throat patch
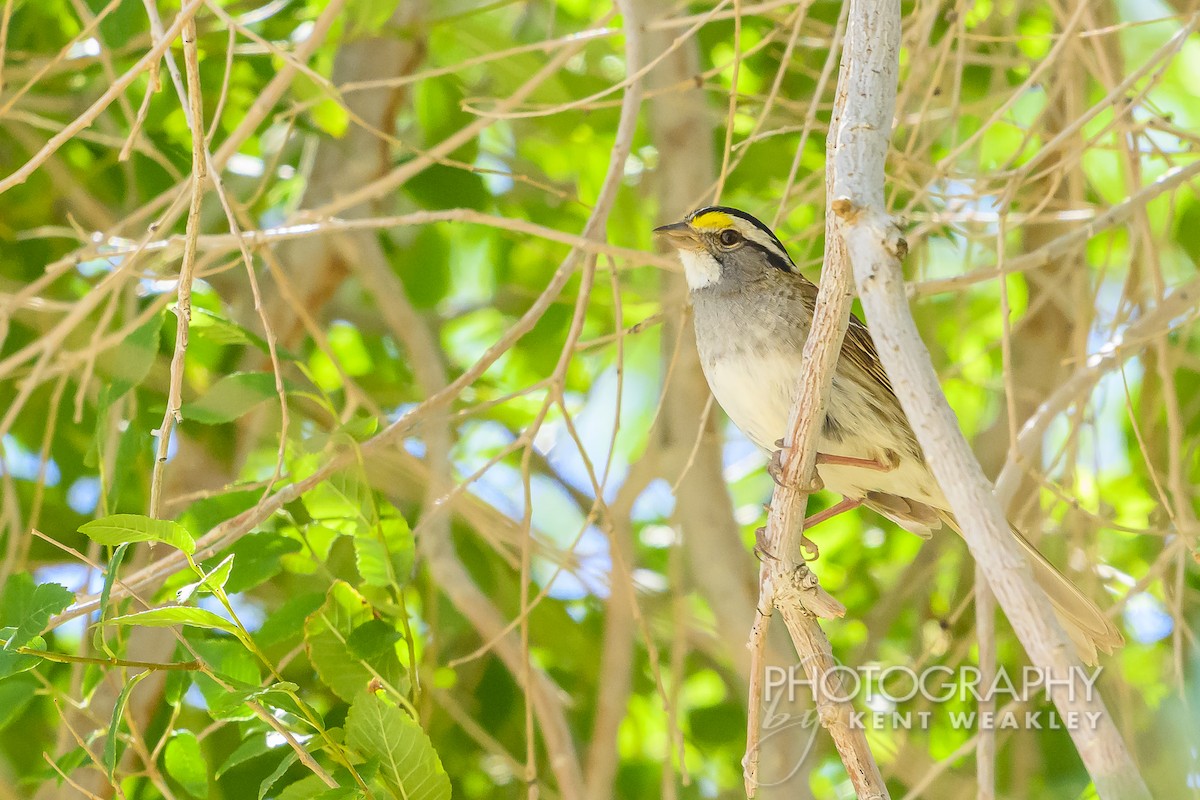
x: 700, y: 268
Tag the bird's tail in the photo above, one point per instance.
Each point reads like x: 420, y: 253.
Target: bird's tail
x: 1090, y: 628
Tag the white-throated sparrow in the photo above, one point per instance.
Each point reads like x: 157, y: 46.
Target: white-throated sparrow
x: 753, y: 311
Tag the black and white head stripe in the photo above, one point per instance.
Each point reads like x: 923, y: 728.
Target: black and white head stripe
x: 718, y: 218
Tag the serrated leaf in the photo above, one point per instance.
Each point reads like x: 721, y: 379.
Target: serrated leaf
x: 408, y: 762
x: 124, y: 528
x: 385, y: 552
x: 113, y: 741
x: 12, y: 662
x: 230, y: 398
x: 185, y: 763
x: 27, y: 607
x: 274, y: 696
x: 327, y: 636
x: 177, y: 615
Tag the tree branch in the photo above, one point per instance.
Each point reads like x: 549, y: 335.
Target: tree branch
x: 869, y: 68
x: 875, y: 249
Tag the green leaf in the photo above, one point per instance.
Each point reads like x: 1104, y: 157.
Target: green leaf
x: 384, y: 554
x: 177, y: 615
x: 15, y: 697
x: 218, y: 330
x: 178, y: 680
x: 258, y: 559
x: 112, y: 743
x: 276, y: 774
x: 230, y: 398
x: 12, y: 662
x: 110, y: 574
x: 327, y: 637
x: 185, y: 763
x: 331, y: 117
x: 274, y: 696
x: 128, y: 364
x: 408, y: 762
x: 27, y: 608
x: 70, y: 762
x: 373, y: 640
x: 287, y: 624
x: 125, y: 528
x: 252, y: 746
x: 213, y: 579
x: 311, y: 787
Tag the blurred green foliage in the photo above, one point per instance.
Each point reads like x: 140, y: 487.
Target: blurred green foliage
x: 324, y: 624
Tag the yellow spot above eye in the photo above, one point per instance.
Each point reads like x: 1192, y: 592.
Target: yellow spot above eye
x: 712, y: 221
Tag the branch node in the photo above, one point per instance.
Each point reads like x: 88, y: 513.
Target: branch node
x: 895, y: 243
x: 799, y: 589
x: 846, y: 209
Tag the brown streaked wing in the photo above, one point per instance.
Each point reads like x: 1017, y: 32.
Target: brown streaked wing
x: 860, y: 348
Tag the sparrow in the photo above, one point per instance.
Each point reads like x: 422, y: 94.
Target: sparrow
x: 752, y: 313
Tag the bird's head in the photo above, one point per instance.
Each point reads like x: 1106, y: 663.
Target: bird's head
x: 718, y: 243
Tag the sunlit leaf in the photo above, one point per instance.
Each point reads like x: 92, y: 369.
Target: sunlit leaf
x: 125, y: 528
x: 408, y: 762
x: 185, y: 763
x: 177, y: 615
x: 327, y: 637
x: 213, y: 579
x: 384, y: 553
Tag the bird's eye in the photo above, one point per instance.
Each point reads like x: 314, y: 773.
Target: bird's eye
x: 730, y: 237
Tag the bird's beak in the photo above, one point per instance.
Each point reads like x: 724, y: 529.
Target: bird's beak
x: 680, y: 234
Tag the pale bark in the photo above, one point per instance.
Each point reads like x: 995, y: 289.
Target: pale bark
x: 876, y: 248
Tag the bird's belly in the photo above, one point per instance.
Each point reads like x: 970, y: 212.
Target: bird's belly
x: 756, y: 391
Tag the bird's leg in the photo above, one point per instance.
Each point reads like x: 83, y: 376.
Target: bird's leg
x: 819, y: 517
x: 810, y: 547
x: 878, y: 465
x: 808, y: 544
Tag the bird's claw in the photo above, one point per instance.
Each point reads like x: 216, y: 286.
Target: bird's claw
x: 775, y: 466
x: 760, y: 545
x: 809, y: 547
x: 775, y: 470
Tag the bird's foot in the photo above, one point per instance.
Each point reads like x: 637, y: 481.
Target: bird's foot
x: 775, y: 464
x: 763, y: 552
x: 760, y: 545
x: 775, y: 470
